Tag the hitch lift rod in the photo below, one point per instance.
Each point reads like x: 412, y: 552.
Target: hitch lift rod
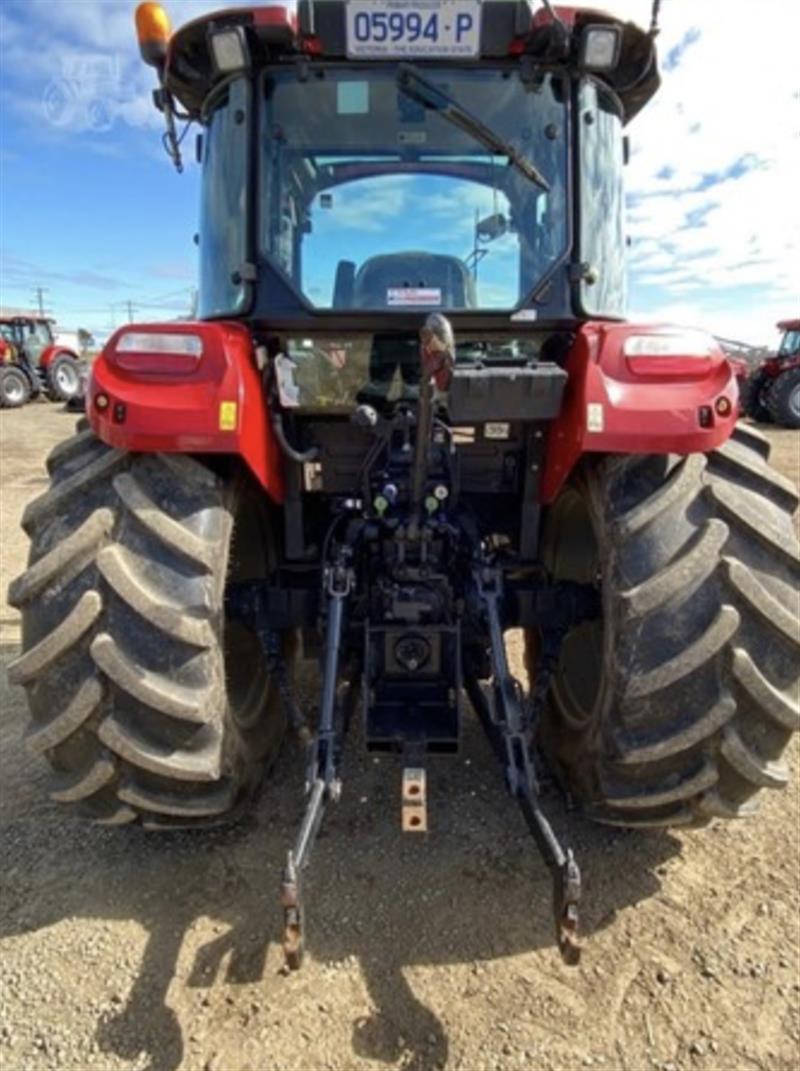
x: 322, y: 780
x: 504, y: 724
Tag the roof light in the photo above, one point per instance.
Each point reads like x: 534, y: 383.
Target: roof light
x: 181, y: 344
x: 229, y: 50
x: 600, y: 46
x: 683, y: 344
x: 153, y: 32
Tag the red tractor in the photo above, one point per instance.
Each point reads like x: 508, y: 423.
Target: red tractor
x: 772, y: 393
x: 33, y: 363
x: 410, y: 417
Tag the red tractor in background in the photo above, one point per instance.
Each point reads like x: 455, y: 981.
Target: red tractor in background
x: 410, y: 417
x: 33, y: 363
x: 772, y: 391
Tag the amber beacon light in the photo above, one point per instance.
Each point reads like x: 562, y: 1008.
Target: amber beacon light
x: 153, y: 32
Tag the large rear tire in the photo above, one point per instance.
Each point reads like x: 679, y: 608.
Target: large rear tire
x: 674, y: 707
x: 783, y: 399
x: 148, y: 703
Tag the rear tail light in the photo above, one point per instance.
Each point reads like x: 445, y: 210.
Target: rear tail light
x: 692, y: 344
x: 229, y: 50
x: 178, y: 344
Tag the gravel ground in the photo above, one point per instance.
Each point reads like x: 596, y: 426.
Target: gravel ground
x: 121, y: 950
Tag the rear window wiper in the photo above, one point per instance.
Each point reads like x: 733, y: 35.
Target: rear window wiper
x: 413, y: 85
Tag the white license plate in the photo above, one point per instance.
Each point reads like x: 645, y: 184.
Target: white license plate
x: 389, y: 28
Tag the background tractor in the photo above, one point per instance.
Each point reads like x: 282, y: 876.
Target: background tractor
x: 410, y: 417
x: 772, y: 392
x: 33, y: 363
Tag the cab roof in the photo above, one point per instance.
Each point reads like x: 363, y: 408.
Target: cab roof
x: 510, y: 28
x: 24, y: 318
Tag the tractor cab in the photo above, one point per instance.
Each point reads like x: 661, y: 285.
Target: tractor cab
x: 30, y: 336
x: 789, y: 345
x: 364, y: 167
x: 335, y: 143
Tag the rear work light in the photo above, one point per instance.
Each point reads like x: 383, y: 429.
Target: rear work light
x: 600, y: 46
x: 686, y: 344
x: 229, y: 49
x: 178, y: 344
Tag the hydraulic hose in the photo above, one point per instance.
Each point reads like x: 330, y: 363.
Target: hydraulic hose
x: 300, y: 456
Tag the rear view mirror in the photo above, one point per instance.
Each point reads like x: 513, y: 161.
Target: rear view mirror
x: 495, y: 226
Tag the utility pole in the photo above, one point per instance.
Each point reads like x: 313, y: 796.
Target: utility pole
x: 130, y: 311
x: 40, y: 292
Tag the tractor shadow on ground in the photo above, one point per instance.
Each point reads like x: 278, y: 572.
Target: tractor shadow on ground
x: 472, y: 891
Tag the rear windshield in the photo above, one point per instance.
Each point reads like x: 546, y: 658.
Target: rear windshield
x: 372, y: 200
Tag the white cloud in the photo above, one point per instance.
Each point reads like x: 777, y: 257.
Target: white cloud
x: 714, y: 170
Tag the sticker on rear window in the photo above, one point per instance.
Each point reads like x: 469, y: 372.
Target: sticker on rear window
x: 413, y: 295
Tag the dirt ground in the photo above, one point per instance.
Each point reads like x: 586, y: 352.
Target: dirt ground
x: 125, y: 950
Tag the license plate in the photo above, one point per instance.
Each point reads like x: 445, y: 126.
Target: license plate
x: 392, y: 28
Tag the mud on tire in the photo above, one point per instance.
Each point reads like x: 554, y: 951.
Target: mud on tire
x: 676, y: 707
x: 146, y: 703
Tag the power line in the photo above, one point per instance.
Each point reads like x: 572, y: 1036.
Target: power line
x: 176, y: 300
x: 184, y: 290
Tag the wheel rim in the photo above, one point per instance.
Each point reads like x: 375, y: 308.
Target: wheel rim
x: 14, y: 390
x: 66, y: 378
x: 794, y: 402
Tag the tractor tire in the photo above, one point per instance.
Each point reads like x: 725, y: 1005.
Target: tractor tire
x: 674, y: 707
x: 783, y: 399
x: 147, y: 702
x: 752, y: 398
x: 63, y: 378
x: 15, y: 387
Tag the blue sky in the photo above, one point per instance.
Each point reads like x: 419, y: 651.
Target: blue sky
x: 91, y: 210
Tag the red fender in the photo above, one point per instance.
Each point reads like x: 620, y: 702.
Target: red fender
x: 681, y: 403
x: 49, y: 354
x: 199, y: 394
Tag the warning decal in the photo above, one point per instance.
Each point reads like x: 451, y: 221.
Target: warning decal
x: 228, y: 414
x: 413, y: 295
